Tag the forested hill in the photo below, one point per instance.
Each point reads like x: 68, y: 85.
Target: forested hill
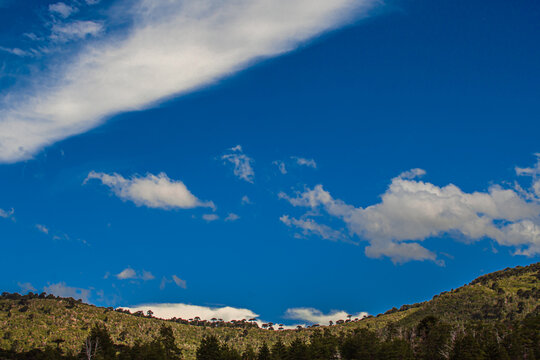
x: 502, y: 303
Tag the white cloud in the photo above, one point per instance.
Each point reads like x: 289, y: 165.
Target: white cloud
x: 281, y: 166
x: 26, y: 287
x: 246, y: 200
x: 16, y: 51
x: 411, y: 211
x: 42, y: 228
x: 62, y: 9
x: 151, y: 191
x: 62, y: 290
x: 210, y: 217
x: 242, y: 163
x: 315, y: 316
x: 6, y: 213
x: 309, y: 226
x: 173, y: 47
x: 179, y: 282
x: 185, y: 311
x: 534, y: 172
x: 305, y: 162
x: 75, y: 30
x: 147, y: 275
x: 232, y: 217
x: 130, y: 274
x: 127, y: 273
x: 412, y: 174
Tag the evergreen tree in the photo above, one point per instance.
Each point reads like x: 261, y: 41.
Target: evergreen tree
x: 264, y: 353
x: 209, y: 349
x: 279, y: 351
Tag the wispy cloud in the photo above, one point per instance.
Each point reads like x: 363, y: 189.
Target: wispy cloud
x: 173, y: 47
x: 26, y: 287
x: 232, y: 217
x: 61, y: 289
x: 42, y: 228
x: 210, y: 217
x: 246, y: 200
x: 62, y: 9
x: 411, y: 211
x: 16, y: 51
x: 179, y: 282
x: 130, y: 274
x: 305, y: 162
x: 241, y: 163
x: 315, y: 316
x: 310, y: 227
x: 281, y: 166
x: 6, y: 214
x: 75, y: 30
x: 154, y: 191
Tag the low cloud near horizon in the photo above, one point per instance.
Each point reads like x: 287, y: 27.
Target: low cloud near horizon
x: 315, y: 316
x: 186, y: 311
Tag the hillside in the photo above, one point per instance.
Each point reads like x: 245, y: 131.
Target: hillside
x: 35, y: 322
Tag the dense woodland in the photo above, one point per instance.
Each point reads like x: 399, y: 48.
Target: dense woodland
x: 431, y: 339
x: 496, y: 316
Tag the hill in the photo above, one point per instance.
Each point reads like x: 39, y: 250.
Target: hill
x: 37, y: 321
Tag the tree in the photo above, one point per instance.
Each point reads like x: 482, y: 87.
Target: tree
x: 264, y: 353
x: 98, y: 345
x: 279, y: 351
x: 166, y: 339
x: 209, y: 349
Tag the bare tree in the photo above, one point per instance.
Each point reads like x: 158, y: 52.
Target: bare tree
x: 91, y: 347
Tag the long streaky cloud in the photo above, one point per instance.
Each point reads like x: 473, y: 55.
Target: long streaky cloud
x: 172, y: 48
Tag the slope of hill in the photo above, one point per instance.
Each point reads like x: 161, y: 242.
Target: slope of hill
x: 35, y: 322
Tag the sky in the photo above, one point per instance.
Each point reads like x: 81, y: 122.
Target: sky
x: 294, y: 161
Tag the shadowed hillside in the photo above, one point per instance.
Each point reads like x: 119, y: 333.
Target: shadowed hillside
x: 33, y: 321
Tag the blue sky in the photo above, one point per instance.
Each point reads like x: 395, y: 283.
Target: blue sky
x: 289, y: 159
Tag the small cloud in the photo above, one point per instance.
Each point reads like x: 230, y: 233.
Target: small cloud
x: 412, y: 174
x: 32, y: 36
x: 130, y: 274
x: 147, y: 275
x: 127, y: 273
x: 62, y: 290
x: 6, y: 214
x: 163, y: 283
x: 305, y: 162
x: 309, y: 226
x: 210, y: 217
x: 281, y: 166
x: 232, y: 217
x: 246, y: 200
x: 75, y: 30
x: 26, y: 287
x: 42, y: 228
x: 179, y: 282
x: 151, y: 191
x: 16, y: 51
x: 62, y: 9
x: 242, y: 163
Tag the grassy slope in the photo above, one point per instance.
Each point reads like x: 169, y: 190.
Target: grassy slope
x: 35, y: 323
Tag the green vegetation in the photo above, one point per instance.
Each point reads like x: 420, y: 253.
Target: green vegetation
x: 496, y: 316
